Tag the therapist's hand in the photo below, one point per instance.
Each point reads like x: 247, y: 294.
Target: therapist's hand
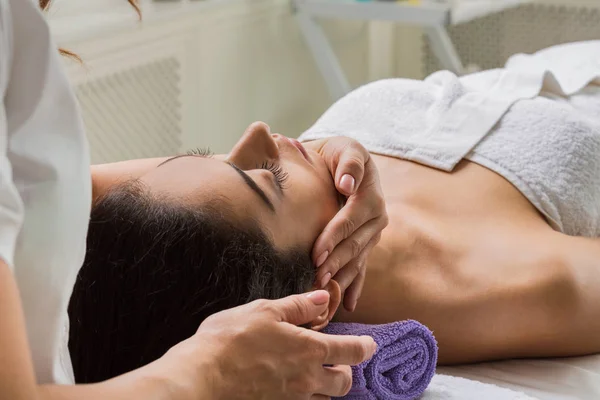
x: 341, y: 251
x: 256, y: 351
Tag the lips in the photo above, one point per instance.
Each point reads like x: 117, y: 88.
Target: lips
x: 299, y: 146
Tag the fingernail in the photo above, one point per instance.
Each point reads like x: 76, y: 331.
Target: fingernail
x: 373, y: 346
x: 325, y: 280
x: 322, y: 258
x: 347, y: 183
x: 318, y: 297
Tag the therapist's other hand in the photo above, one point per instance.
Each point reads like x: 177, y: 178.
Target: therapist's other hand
x: 341, y: 250
x: 256, y: 351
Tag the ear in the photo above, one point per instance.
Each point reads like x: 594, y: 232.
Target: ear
x: 335, y: 298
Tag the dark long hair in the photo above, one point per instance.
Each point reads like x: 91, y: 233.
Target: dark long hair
x: 156, y: 268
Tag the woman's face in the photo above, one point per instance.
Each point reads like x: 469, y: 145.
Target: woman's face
x: 268, y: 178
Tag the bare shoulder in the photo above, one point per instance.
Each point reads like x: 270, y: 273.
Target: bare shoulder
x: 580, y: 259
x: 469, y: 256
x: 491, y: 290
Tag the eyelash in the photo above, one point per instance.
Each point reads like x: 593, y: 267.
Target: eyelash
x: 280, y: 176
x: 200, y: 151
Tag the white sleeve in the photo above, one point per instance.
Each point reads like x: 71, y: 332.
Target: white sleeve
x: 11, y: 205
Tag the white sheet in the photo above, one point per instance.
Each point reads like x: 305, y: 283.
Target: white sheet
x: 444, y: 387
x: 575, y: 378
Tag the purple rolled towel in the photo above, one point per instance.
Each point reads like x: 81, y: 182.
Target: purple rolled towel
x: 401, y: 368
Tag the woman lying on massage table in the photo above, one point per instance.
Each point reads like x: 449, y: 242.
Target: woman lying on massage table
x: 493, y: 261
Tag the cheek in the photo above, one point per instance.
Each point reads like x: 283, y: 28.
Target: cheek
x: 315, y: 200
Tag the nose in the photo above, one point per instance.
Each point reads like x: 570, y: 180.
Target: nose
x: 255, y: 147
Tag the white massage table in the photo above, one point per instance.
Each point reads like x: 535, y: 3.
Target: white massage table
x: 575, y: 378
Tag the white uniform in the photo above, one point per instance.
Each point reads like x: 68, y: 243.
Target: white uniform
x: 45, y: 184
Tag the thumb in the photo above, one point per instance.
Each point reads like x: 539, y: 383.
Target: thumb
x: 302, y: 308
x: 350, y: 170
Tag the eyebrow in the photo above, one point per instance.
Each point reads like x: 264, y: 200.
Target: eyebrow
x: 249, y: 181
x: 176, y: 157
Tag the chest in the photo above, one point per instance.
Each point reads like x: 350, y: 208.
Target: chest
x: 441, y: 223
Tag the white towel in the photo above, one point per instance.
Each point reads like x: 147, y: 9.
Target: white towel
x: 534, y: 122
x: 445, y: 387
x: 548, y: 146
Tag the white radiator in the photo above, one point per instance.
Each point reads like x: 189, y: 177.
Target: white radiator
x: 134, y: 112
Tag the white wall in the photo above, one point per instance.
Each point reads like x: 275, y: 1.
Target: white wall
x: 243, y: 60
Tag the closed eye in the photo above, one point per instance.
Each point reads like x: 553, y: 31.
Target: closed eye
x: 280, y: 176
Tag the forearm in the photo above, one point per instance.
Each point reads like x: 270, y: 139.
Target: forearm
x: 106, y: 175
x: 185, y: 372
x: 138, y: 384
x: 17, y: 378
x: 121, y: 388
